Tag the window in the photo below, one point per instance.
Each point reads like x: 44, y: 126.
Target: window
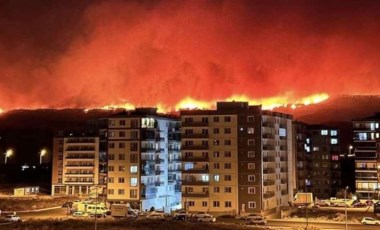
x: 251, y: 178
x: 216, y: 177
x: 227, y: 165
x: 111, y: 156
x: 251, y: 166
x: 227, y: 153
x: 134, y: 135
x: 216, y: 142
x: 134, y: 146
x: 333, y: 133
x: 122, y: 122
x: 121, y: 156
x: 120, y: 191
x: 111, y: 168
x: 334, y: 141
x: 227, y: 177
x: 133, y: 193
x: 121, y: 168
x: 216, y: 165
x: 133, y: 169
x: 111, y: 134
x: 191, y: 203
x: 324, y: 132
x: 335, y: 157
x: 188, y: 120
x: 215, y: 119
x: 251, y: 190
x: 251, y: 130
x: 250, y: 119
x: 110, y: 191
x: 227, y: 142
x: 215, y: 131
x: 251, y: 204
x: 227, y: 130
x: 204, y: 203
x: 121, y: 145
x: 227, y: 189
x: 228, y: 204
x: 315, y: 149
x: 204, y: 119
x: 121, y: 133
x: 110, y: 180
x: 227, y: 119
x: 251, y: 142
x: 121, y: 180
x: 215, y: 203
x: 216, y: 190
x: 134, y: 181
x: 216, y: 154
x: 251, y: 154
x: 189, y: 131
x: 111, y: 145
x: 134, y: 158
x: 282, y: 132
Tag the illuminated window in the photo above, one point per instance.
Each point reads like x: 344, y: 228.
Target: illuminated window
x: 147, y: 123
x: 334, y: 141
x: 133, y: 169
x: 205, y: 178
x: 133, y: 181
x: 335, y: 157
x: 216, y: 177
x: 377, y: 125
x: 315, y: 149
x: 282, y: 132
x: 334, y: 133
x: 324, y: 132
x: 216, y: 154
x: 251, y: 130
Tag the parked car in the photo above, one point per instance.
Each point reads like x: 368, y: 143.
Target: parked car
x: 322, y: 203
x: 12, y: 218
x: 359, y: 205
x: 179, y: 217
x: 257, y: 220
x: 199, y: 214
x: 80, y: 214
x: 369, y: 203
x: 182, y: 213
x: 371, y: 221
x: 155, y: 216
x: 252, y: 216
x: 207, y: 218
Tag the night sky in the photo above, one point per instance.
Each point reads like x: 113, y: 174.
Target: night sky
x: 80, y: 54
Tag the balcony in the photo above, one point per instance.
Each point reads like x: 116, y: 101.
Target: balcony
x: 283, y: 148
x: 195, y: 124
x: 285, y: 181
x: 268, y: 170
x: 80, y: 140
x: 195, y: 136
x: 160, y: 161
x: 284, y: 170
x: 283, y: 159
x: 195, y: 171
x: 159, y: 183
x: 79, y: 166
x: 284, y: 192
x: 195, y: 194
x: 194, y: 182
x: 80, y: 149
x: 269, y: 159
x: 80, y: 157
x: 159, y: 171
x: 195, y: 147
x: 268, y: 182
x: 268, y: 147
x: 268, y: 136
x: 268, y: 124
x: 195, y: 159
x: 148, y: 149
x: 268, y: 195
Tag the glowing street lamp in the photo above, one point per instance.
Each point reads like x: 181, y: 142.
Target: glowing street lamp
x: 42, y: 153
x: 8, y: 154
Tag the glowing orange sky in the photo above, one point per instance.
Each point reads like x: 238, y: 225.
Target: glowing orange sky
x: 161, y: 53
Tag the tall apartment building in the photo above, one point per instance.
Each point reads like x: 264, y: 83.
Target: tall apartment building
x: 76, y: 167
x: 325, y: 175
x: 303, y: 156
x: 237, y: 159
x: 143, y: 150
x: 366, y: 147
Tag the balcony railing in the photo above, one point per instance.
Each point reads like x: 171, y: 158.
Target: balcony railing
x: 195, y: 171
x: 195, y: 194
x: 195, y: 159
x: 268, y: 170
x: 283, y: 158
x: 283, y: 170
x: 195, y: 124
x: 268, y: 182
x: 284, y: 181
x: 268, y: 136
x: 269, y: 159
x: 284, y: 192
x: 195, y: 147
x: 268, y: 195
x: 194, y: 182
x: 195, y: 135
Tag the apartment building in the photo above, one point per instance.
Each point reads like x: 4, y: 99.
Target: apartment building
x: 76, y: 168
x: 366, y: 147
x: 143, y: 152
x: 324, y: 146
x: 303, y: 156
x: 236, y: 159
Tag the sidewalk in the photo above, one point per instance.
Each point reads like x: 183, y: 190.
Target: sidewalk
x: 312, y: 221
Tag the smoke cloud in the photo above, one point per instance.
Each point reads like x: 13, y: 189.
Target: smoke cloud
x: 94, y: 53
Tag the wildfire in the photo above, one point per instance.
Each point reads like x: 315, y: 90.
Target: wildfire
x: 267, y: 103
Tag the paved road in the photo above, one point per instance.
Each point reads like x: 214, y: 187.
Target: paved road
x: 54, y: 213
x: 327, y: 225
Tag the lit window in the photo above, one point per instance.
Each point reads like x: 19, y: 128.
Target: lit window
x: 315, y: 149
x: 133, y: 181
x: 335, y: 157
x: 334, y: 133
x: 282, y: 132
x: 216, y: 177
x: 334, y: 141
x: 324, y: 132
x: 133, y: 169
x: 205, y: 178
x: 251, y: 130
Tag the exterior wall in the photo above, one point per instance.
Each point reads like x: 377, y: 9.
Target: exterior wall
x: 367, y: 156
x: 75, y: 165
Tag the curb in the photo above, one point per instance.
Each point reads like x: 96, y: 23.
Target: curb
x: 34, y: 210
x: 311, y: 221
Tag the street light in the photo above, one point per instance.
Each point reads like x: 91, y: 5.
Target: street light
x: 42, y: 153
x: 8, y: 154
x: 345, y: 205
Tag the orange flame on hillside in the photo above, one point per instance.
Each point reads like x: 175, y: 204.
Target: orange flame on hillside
x: 267, y: 103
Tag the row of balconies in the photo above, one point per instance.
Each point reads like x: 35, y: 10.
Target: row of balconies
x: 80, y: 140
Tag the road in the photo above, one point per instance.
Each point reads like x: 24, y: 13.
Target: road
x: 54, y: 213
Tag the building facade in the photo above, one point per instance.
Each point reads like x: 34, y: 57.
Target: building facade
x: 75, y: 164
x: 236, y: 159
x: 366, y: 148
x: 143, y: 152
